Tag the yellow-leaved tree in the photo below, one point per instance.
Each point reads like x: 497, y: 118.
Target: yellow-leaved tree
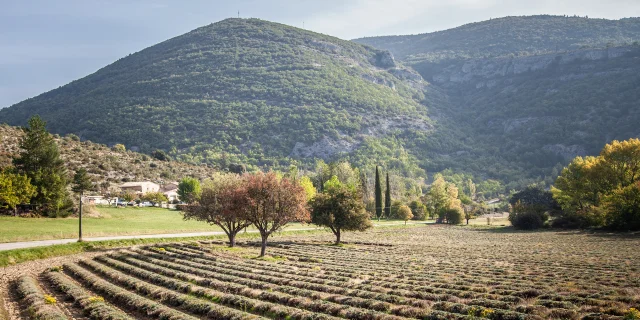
x: 602, y: 191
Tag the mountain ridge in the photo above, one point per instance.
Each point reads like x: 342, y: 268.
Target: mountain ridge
x: 222, y: 92
x: 270, y: 95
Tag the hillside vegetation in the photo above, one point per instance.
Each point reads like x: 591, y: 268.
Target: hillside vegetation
x: 524, y: 95
x: 510, y: 99
x: 510, y: 36
x: 238, y: 91
x: 106, y: 166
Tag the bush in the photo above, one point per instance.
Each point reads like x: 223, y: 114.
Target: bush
x: 528, y: 217
x: 453, y: 215
x: 418, y: 210
x: 161, y: 155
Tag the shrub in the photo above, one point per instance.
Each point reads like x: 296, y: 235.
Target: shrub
x: 418, y: 210
x: 119, y: 148
x: 632, y: 314
x: 453, y: 215
x: 528, y: 217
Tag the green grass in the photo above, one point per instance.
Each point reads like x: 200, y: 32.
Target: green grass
x: 114, y: 222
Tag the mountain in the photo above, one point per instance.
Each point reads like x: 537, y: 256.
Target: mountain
x: 510, y: 99
x: 526, y: 94
x: 510, y: 36
x: 240, y: 90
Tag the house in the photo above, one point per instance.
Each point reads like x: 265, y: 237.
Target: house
x: 140, y: 188
x: 170, y: 190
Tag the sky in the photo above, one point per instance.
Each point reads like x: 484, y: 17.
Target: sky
x: 45, y: 44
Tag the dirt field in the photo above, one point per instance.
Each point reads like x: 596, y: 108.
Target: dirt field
x: 426, y: 272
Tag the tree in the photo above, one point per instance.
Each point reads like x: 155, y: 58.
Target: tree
x: 322, y: 174
x: 531, y: 207
x: 437, y: 197
x: 387, y: 199
x: 273, y: 203
x: 155, y: 197
x: 453, y: 215
x: 306, y: 183
x: 623, y: 208
x: 160, y: 155
x: 596, y: 191
x: 15, y: 189
x: 81, y: 183
x: 339, y: 208
x: 128, y: 196
x: 527, y: 217
x: 223, y: 202
x: 418, y: 210
x: 471, y: 189
x: 189, y: 190
x: 378, y: 195
x: 404, y: 213
x: 39, y: 159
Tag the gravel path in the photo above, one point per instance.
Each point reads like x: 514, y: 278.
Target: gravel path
x: 43, y: 243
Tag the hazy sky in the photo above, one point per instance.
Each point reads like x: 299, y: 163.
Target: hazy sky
x: 48, y: 43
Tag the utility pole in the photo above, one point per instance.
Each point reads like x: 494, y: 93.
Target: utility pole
x: 238, y: 14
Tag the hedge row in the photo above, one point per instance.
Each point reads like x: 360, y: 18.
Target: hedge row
x: 299, y: 298
x: 125, y: 298
x: 39, y: 306
x: 266, y: 309
x: 94, y: 307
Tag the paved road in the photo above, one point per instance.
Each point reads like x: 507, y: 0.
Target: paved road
x: 43, y: 243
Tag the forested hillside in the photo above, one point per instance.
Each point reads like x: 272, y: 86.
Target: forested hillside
x: 510, y: 36
x: 509, y: 100
x: 526, y: 94
x: 241, y: 91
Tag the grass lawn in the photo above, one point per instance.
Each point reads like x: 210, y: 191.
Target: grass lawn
x: 114, y: 221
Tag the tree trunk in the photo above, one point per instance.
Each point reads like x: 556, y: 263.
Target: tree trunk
x: 467, y: 221
x: 338, y: 236
x: 405, y: 222
x: 263, y: 250
x: 80, y: 220
x: 232, y: 239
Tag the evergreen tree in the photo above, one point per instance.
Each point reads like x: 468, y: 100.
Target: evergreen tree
x: 81, y: 183
x: 40, y: 161
x: 387, y: 199
x: 378, y: 195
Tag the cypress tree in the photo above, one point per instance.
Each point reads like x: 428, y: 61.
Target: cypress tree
x: 378, y: 194
x: 387, y: 199
x: 40, y: 161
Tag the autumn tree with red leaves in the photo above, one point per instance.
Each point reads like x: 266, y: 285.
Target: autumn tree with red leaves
x: 224, y: 203
x: 273, y: 203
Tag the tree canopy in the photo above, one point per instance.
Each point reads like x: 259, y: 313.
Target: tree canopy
x: 189, y: 190
x: 599, y: 191
x: 40, y: 160
x: 339, y: 208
